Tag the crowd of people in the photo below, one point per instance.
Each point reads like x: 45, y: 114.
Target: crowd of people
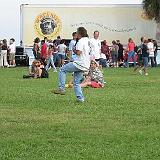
x: 57, y: 53
x: 7, y: 53
x: 83, y: 57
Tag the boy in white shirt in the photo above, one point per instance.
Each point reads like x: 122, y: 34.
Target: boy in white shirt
x: 79, y: 66
x: 95, y: 45
x: 151, y: 52
x: 12, y: 51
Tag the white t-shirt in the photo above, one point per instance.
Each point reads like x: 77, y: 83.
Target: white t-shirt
x: 95, y: 45
x: 151, y: 49
x: 62, y: 49
x: 72, y: 47
x: 103, y: 56
x: 83, y: 60
x: 12, y: 48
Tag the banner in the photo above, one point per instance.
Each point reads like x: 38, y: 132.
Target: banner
x: 113, y: 22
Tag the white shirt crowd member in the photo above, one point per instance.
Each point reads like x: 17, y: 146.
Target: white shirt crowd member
x: 12, y: 48
x: 83, y: 60
x: 62, y: 49
x: 72, y: 47
x: 151, y: 49
x: 95, y: 45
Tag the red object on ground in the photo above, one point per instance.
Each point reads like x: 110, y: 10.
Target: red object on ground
x: 95, y: 85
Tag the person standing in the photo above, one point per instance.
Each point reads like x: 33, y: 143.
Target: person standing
x: 139, y: 53
x: 95, y: 45
x: 62, y: 52
x: 155, y: 52
x: 114, y: 53
x: 120, y: 53
x: 12, y: 51
x: 51, y: 58
x: 145, y: 57
x: 43, y: 51
x: 72, y: 46
x: 3, y: 56
x: 36, y: 48
x: 105, y: 49
x: 131, y: 52
x: 151, y: 52
x: 1, y: 52
x: 77, y: 67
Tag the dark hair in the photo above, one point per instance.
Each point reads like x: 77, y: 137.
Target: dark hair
x: 74, y: 33
x: 130, y: 39
x: 118, y: 41
x: 45, y: 38
x: 62, y: 41
x: 142, y: 39
x: 50, y: 46
x: 37, y: 40
x: 145, y: 41
x: 12, y: 39
x: 42, y: 41
x: 149, y: 40
x: 114, y: 42
x: 58, y: 37
x: 82, y: 31
x: 96, y: 31
x: 5, y: 42
x: 155, y: 42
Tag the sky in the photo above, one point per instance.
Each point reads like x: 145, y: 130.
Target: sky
x: 10, y: 12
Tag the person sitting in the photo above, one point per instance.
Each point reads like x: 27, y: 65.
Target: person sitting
x: 37, y: 70
x: 95, y: 77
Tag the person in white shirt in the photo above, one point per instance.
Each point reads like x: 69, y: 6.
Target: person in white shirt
x: 12, y: 52
x: 77, y: 67
x: 62, y: 52
x: 95, y: 45
x: 72, y: 46
x: 151, y: 52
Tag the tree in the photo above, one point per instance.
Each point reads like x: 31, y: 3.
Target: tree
x: 152, y: 9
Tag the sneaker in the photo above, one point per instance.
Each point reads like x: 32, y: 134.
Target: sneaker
x: 55, y: 71
x: 59, y: 91
x: 140, y: 72
x: 80, y: 100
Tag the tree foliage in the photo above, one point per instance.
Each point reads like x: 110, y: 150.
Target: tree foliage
x: 152, y: 9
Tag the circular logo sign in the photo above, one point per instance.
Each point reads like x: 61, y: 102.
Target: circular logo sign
x: 47, y: 24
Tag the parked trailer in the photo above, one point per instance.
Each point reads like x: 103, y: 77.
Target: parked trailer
x: 113, y: 21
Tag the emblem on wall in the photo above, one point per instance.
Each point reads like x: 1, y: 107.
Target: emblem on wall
x: 47, y: 24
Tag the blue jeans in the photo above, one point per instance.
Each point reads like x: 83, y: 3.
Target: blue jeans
x: 131, y: 54
x: 78, y: 74
x: 145, y: 62
x: 50, y: 61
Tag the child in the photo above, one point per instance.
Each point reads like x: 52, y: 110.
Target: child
x: 61, y: 52
x: 37, y: 70
x: 50, y: 58
x: 95, y: 77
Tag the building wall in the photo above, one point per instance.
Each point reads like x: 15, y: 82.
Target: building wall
x: 10, y: 12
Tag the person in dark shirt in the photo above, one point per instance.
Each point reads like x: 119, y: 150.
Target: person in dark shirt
x: 36, y: 48
x: 155, y: 52
x: 145, y: 58
x: 139, y: 53
x: 3, y: 55
x: 120, y: 53
x: 105, y: 49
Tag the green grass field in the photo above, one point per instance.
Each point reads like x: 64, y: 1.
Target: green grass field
x: 119, y: 122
